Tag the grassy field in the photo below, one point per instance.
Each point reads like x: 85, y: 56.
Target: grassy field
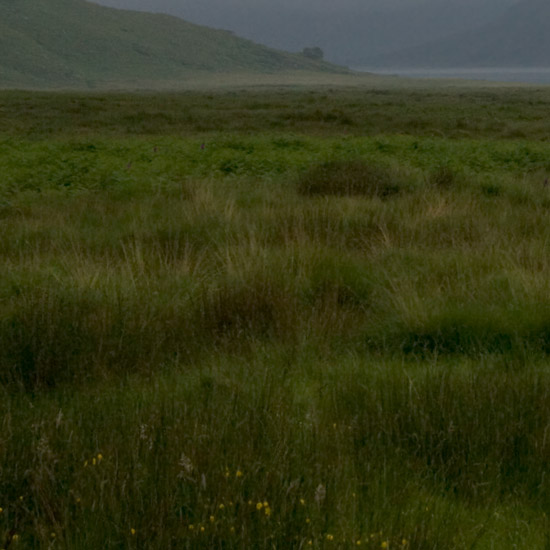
x: 275, y: 318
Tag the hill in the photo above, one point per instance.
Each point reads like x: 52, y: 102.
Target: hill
x: 519, y: 37
x: 73, y: 43
x: 349, y: 31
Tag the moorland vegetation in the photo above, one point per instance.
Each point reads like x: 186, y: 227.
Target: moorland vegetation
x: 275, y: 319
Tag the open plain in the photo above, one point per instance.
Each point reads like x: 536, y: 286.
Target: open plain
x: 275, y: 317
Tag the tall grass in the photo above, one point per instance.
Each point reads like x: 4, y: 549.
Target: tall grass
x: 349, y: 449
x: 428, y: 271
x: 251, y: 345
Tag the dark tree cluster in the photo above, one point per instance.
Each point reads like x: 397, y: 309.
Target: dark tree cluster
x: 313, y: 53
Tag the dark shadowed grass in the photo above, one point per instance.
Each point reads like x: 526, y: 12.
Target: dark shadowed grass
x: 476, y: 331
x: 443, y: 176
x: 350, y: 178
x: 267, y: 453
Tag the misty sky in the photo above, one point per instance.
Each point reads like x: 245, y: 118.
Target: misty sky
x: 349, y: 31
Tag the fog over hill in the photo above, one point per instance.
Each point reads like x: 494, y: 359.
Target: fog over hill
x: 519, y: 37
x: 351, y: 32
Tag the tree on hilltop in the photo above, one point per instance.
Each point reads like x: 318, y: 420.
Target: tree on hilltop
x: 313, y: 53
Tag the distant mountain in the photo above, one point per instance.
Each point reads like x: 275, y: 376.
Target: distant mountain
x: 73, y: 43
x: 520, y: 37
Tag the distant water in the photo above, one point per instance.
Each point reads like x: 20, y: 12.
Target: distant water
x: 531, y: 75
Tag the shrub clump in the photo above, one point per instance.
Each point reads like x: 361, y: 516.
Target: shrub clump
x: 443, y: 176
x: 342, y: 178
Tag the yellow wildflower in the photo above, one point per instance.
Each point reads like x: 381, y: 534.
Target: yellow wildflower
x: 384, y: 545
x: 266, y: 504
x: 330, y: 537
x: 212, y: 519
x: 15, y: 538
x: 239, y: 474
x: 267, y: 511
x: 259, y: 506
x: 94, y: 461
x: 132, y: 531
x: 221, y: 506
x: 191, y: 527
x: 308, y: 520
x: 310, y: 543
x: 202, y: 529
x: 358, y: 543
x: 99, y: 457
x: 1, y: 510
x: 302, y: 502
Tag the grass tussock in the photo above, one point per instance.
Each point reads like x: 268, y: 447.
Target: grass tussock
x: 349, y: 178
x: 443, y: 176
x: 477, y: 332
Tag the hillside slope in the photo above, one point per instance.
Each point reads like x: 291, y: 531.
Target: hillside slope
x: 349, y: 31
x: 75, y: 43
x: 519, y: 37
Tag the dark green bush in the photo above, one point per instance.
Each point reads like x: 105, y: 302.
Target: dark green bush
x: 343, y: 178
x: 443, y: 176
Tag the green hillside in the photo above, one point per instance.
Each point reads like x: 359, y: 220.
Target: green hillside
x: 76, y: 43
